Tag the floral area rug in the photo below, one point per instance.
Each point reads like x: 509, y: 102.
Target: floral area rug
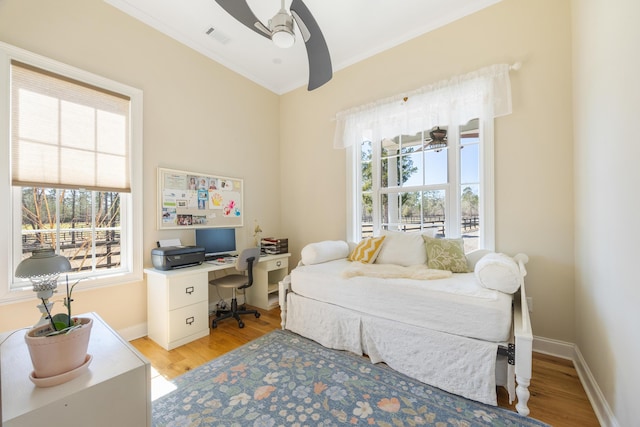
x: 282, y: 379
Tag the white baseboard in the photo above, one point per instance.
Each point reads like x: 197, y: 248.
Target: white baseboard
x: 561, y: 349
x: 134, y: 332
x: 600, y: 405
x: 571, y: 351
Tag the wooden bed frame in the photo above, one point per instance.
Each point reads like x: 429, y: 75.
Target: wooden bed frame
x: 518, y: 351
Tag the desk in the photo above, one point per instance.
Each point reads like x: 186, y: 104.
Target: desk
x: 178, y: 300
x: 116, y: 390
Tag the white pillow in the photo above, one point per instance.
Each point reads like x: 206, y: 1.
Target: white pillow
x: 327, y: 250
x: 499, y: 272
x: 402, y: 248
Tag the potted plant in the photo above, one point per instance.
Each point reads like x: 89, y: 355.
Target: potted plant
x: 59, y: 347
x: 58, y: 344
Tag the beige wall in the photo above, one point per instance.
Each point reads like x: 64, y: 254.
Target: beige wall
x: 607, y: 105
x: 198, y: 116
x: 533, y: 146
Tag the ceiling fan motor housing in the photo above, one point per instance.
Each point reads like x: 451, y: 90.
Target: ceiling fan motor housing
x: 281, y: 26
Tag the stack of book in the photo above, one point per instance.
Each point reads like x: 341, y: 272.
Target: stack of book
x: 273, y: 245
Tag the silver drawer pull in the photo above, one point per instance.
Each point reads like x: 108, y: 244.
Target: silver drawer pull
x: 189, y: 290
x: 278, y: 263
x: 189, y: 320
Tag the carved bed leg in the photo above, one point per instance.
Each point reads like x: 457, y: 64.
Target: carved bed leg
x: 284, y: 286
x: 522, y: 391
x: 524, y: 342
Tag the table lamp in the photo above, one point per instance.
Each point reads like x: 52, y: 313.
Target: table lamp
x: 42, y: 268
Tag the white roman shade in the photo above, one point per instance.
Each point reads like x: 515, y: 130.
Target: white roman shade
x: 67, y: 134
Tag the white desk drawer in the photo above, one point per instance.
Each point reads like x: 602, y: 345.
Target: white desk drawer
x: 274, y: 264
x: 187, y: 290
x: 188, y: 320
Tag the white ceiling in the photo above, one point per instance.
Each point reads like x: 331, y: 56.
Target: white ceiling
x: 353, y: 29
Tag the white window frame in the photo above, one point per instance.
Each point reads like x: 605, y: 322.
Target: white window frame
x: 453, y: 219
x: 131, y: 220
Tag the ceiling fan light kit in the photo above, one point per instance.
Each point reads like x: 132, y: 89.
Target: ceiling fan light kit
x: 281, y: 27
x: 281, y: 32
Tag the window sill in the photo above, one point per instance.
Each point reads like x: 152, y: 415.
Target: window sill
x: 25, y: 293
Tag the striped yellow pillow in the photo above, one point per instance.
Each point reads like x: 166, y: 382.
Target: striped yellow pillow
x: 367, y: 250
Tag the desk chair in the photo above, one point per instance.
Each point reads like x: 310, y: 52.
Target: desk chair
x: 245, y: 262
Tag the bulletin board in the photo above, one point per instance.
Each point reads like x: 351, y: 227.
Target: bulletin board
x: 198, y: 200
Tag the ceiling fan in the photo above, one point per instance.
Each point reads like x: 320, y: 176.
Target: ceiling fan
x: 437, y: 139
x: 280, y: 31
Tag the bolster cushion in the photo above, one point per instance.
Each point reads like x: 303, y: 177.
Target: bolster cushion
x: 327, y: 250
x: 498, y: 271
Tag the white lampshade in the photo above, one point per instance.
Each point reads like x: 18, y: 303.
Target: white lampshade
x: 43, y: 268
x: 42, y: 263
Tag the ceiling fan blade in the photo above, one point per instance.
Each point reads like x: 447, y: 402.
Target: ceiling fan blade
x: 240, y: 10
x: 320, y: 70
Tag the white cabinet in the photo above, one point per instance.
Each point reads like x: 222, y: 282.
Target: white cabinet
x: 266, y: 275
x: 115, y: 390
x: 177, y: 306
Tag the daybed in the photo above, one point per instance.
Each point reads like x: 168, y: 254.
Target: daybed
x: 464, y: 332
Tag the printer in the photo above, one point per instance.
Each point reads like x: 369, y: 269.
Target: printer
x: 170, y: 257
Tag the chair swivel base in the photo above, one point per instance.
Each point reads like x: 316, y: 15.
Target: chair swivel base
x: 235, y: 312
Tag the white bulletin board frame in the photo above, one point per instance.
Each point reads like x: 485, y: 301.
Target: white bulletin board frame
x: 198, y: 200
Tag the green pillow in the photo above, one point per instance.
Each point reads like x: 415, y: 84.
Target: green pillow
x: 446, y: 254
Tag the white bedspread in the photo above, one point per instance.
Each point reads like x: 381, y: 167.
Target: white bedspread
x: 457, y: 305
x: 456, y: 364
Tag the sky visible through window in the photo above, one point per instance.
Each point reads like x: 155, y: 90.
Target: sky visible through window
x: 435, y: 170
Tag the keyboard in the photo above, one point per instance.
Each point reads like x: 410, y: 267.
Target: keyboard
x: 222, y: 260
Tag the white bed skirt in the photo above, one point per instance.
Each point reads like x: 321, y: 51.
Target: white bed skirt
x: 459, y: 365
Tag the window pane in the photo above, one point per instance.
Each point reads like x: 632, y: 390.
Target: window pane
x: 389, y: 147
x: 366, y: 178
x: 470, y: 227
x: 410, y: 210
x: 366, y: 151
x: 412, y: 169
x: 366, y: 167
x: 390, y: 172
x: 411, y: 144
x: 76, y: 223
x: 38, y: 219
x: 435, y: 170
x: 367, y: 215
x: 385, y: 210
x: 84, y: 226
x: 433, y: 210
x: 469, y: 173
x: 107, y: 229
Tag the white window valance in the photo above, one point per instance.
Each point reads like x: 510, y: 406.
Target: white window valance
x: 485, y: 93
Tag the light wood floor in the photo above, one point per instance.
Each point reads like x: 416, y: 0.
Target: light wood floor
x: 557, y: 396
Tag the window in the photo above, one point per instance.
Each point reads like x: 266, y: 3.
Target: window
x: 401, y: 175
x: 75, y: 154
x: 409, y: 184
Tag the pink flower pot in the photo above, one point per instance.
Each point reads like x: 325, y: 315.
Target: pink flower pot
x: 55, y: 355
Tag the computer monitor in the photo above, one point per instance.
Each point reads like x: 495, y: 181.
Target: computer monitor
x: 216, y: 241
